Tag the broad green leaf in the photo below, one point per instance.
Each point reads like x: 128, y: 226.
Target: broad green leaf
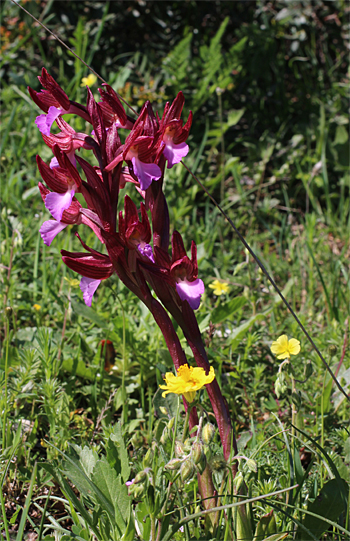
x: 266, y: 526
x: 85, y: 311
x: 118, y: 452
x: 110, y: 485
x: 87, y: 458
x: 329, y: 503
x: 225, y: 311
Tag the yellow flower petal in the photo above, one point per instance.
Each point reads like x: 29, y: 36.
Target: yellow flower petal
x: 189, y: 379
x: 219, y: 287
x: 294, y: 346
x: 89, y: 80
x: 284, y: 348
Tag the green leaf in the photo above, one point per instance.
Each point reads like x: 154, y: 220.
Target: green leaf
x: 239, y: 333
x: 234, y: 117
x: 82, y: 310
x: 265, y: 526
x: 117, y: 452
x: 110, y: 485
x: 341, y: 136
x: 276, y: 537
x: 329, y: 503
x: 299, y: 470
x: 225, y: 311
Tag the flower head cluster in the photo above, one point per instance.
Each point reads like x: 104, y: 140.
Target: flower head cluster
x: 284, y: 348
x: 187, y: 381
x: 135, y: 242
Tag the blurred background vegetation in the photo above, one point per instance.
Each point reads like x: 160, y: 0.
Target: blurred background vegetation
x: 268, y: 84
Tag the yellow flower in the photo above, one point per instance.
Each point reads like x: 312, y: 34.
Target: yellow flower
x: 284, y: 348
x: 187, y: 382
x: 219, y: 287
x: 37, y: 307
x: 73, y: 282
x: 89, y: 80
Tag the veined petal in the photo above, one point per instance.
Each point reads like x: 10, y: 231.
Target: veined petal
x: 56, y: 203
x: 146, y: 172
x: 191, y: 292
x: 50, y: 229
x: 174, y: 153
x: 88, y: 287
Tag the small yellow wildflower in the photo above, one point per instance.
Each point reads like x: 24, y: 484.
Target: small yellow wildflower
x: 73, y: 282
x: 284, y: 348
x: 89, y: 80
x: 37, y: 307
x: 187, y: 382
x: 219, y: 287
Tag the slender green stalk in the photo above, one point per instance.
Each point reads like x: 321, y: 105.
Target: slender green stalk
x: 175, y: 429
x: 4, y: 518
x: 4, y: 418
x: 187, y: 418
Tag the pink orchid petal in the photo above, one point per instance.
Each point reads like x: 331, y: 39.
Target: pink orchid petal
x: 40, y: 121
x: 51, y: 116
x: 56, y: 203
x: 191, y: 292
x: 44, y: 122
x: 146, y: 172
x: 146, y: 251
x: 50, y: 229
x: 88, y: 287
x: 54, y: 163
x: 174, y: 153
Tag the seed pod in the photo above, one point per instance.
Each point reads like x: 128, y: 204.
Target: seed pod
x: 171, y: 423
x: 197, y: 451
x: 136, y: 491
x: 164, y: 437
x: 208, y: 433
x: 179, y: 449
x: 201, y: 464
x: 187, y: 470
x: 148, y: 459
x: 140, y: 477
x: 173, y: 464
x: 252, y: 465
x: 188, y: 445
x: 8, y: 312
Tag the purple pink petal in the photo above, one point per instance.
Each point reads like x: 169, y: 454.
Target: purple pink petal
x: 44, y: 122
x: 50, y: 229
x: 174, y: 153
x: 190, y: 292
x: 88, y: 287
x: 146, y: 172
x: 56, y: 203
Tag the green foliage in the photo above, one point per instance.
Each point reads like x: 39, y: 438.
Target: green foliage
x: 268, y: 84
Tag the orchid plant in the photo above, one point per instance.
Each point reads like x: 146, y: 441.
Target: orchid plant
x: 131, y: 247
